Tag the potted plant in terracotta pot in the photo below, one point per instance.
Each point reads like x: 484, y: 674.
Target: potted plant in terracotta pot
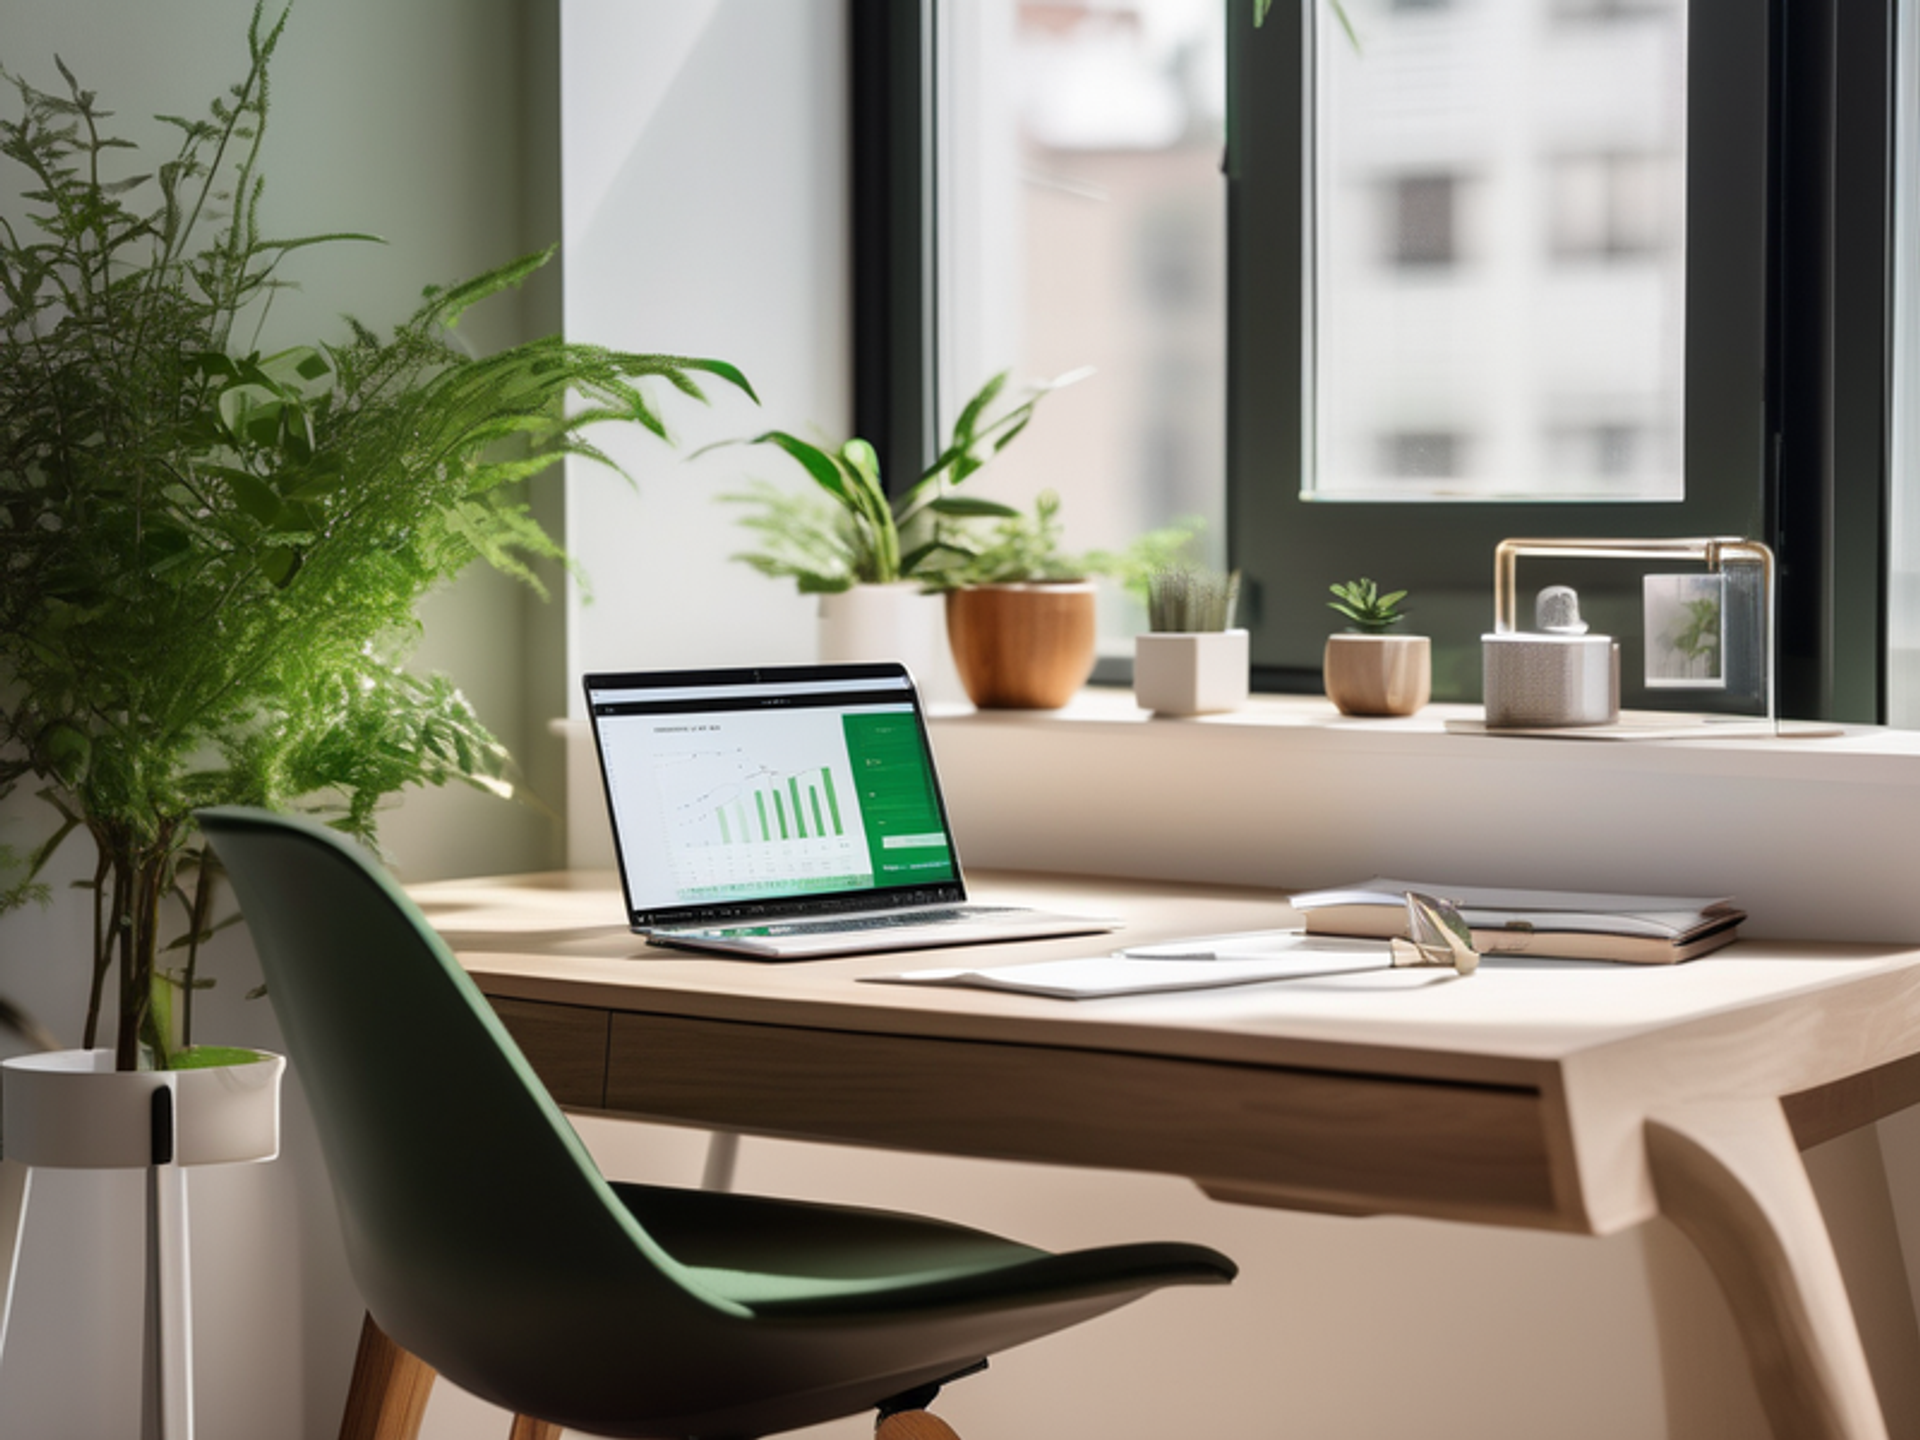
x: 1021, y: 614
x: 1193, y: 660
x: 1368, y: 670
x: 871, y: 557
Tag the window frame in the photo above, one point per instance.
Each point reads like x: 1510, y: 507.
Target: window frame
x: 1786, y: 412
x: 1807, y: 405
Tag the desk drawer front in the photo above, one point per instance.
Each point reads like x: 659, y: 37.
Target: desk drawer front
x: 1287, y: 1137
x: 565, y: 1044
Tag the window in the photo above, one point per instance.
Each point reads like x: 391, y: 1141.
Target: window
x: 1419, y: 221
x: 1611, y: 207
x: 1681, y: 205
x: 1497, y: 226
x: 1622, y: 333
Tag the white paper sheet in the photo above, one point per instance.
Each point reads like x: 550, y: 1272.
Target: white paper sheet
x: 1202, y: 964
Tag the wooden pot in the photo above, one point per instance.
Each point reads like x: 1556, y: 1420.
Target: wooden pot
x: 1022, y: 647
x: 1378, y: 674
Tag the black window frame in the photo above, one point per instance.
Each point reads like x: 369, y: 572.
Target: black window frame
x: 1806, y: 470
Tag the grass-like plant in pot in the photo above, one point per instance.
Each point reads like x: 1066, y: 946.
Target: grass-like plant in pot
x: 1368, y: 670
x: 1192, y: 660
x: 211, y: 555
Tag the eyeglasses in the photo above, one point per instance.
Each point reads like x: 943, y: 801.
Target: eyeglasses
x: 1436, y: 935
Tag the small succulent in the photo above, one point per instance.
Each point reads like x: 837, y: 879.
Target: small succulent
x: 1366, y: 609
x: 1185, y: 599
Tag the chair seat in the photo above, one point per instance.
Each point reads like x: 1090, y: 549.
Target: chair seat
x: 796, y: 1259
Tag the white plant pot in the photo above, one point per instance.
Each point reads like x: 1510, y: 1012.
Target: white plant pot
x: 71, y: 1109
x: 1190, y: 672
x: 890, y: 622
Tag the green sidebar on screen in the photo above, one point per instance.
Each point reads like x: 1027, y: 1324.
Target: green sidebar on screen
x: 906, y: 840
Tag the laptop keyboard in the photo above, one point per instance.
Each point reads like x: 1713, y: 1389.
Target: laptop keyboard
x: 854, y: 925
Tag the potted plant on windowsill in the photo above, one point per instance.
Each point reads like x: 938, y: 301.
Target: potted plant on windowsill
x: 1022, y: 611
x: 1367, y: 670
x: 871, y: 558
x: 1021, y: 616
x: 1193, y: 660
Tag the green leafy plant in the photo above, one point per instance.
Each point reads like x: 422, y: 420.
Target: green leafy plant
x: 211, y: 556
x: 1020, y: 547
x: 1028, y: 547
x: 1365, y: 608
x: 1699, y: 637
x: 1187, y: 599
x: 860, y: 535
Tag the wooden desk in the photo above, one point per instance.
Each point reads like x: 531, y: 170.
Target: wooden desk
x: 1576, y: 1097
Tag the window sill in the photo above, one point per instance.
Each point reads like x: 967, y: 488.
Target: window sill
x: 1288, y: 793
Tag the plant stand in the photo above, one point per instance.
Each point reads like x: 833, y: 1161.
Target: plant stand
x: 70, y: 1109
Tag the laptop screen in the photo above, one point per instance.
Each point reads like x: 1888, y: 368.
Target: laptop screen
x: 736, y: 794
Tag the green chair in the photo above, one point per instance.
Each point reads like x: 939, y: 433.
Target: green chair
x: 488, y: 1245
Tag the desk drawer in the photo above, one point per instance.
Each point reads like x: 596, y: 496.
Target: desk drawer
x: 1309, y: 1139
x: 565, y: 1044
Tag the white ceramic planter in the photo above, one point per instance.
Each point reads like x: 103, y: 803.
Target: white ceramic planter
x: 71, y: 1110
x: 890, y: 622
x: 1190, y: 672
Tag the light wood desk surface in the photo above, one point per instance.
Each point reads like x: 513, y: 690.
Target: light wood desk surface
x: 1539, y: 1093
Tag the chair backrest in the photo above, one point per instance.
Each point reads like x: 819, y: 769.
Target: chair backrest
x: 483, y: 1237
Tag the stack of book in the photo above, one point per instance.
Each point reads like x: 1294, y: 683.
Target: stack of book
x: 1564, y: 924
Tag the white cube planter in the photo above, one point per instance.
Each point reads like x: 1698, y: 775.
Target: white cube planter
x: 1190, y: 672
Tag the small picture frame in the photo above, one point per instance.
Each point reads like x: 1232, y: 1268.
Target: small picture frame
x: 1686, y: 630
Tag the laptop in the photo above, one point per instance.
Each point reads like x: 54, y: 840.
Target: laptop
x: 787, y: 812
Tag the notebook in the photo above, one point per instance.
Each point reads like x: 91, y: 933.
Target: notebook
x: 787, y: 812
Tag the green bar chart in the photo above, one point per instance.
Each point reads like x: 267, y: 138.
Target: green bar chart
x: 792, y: 807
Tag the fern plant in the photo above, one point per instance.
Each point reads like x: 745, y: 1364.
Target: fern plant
x: 211, y: 556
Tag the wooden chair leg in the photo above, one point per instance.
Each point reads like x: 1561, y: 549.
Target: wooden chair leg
x: 525, y: 1427
x: 914, y: 1425
x: 388, y: 1397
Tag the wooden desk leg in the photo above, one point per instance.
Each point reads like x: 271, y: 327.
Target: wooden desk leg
x: 388, y: 1397
x: 1730, y: 1176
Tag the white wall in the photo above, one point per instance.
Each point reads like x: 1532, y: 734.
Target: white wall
x: 705, y: 214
